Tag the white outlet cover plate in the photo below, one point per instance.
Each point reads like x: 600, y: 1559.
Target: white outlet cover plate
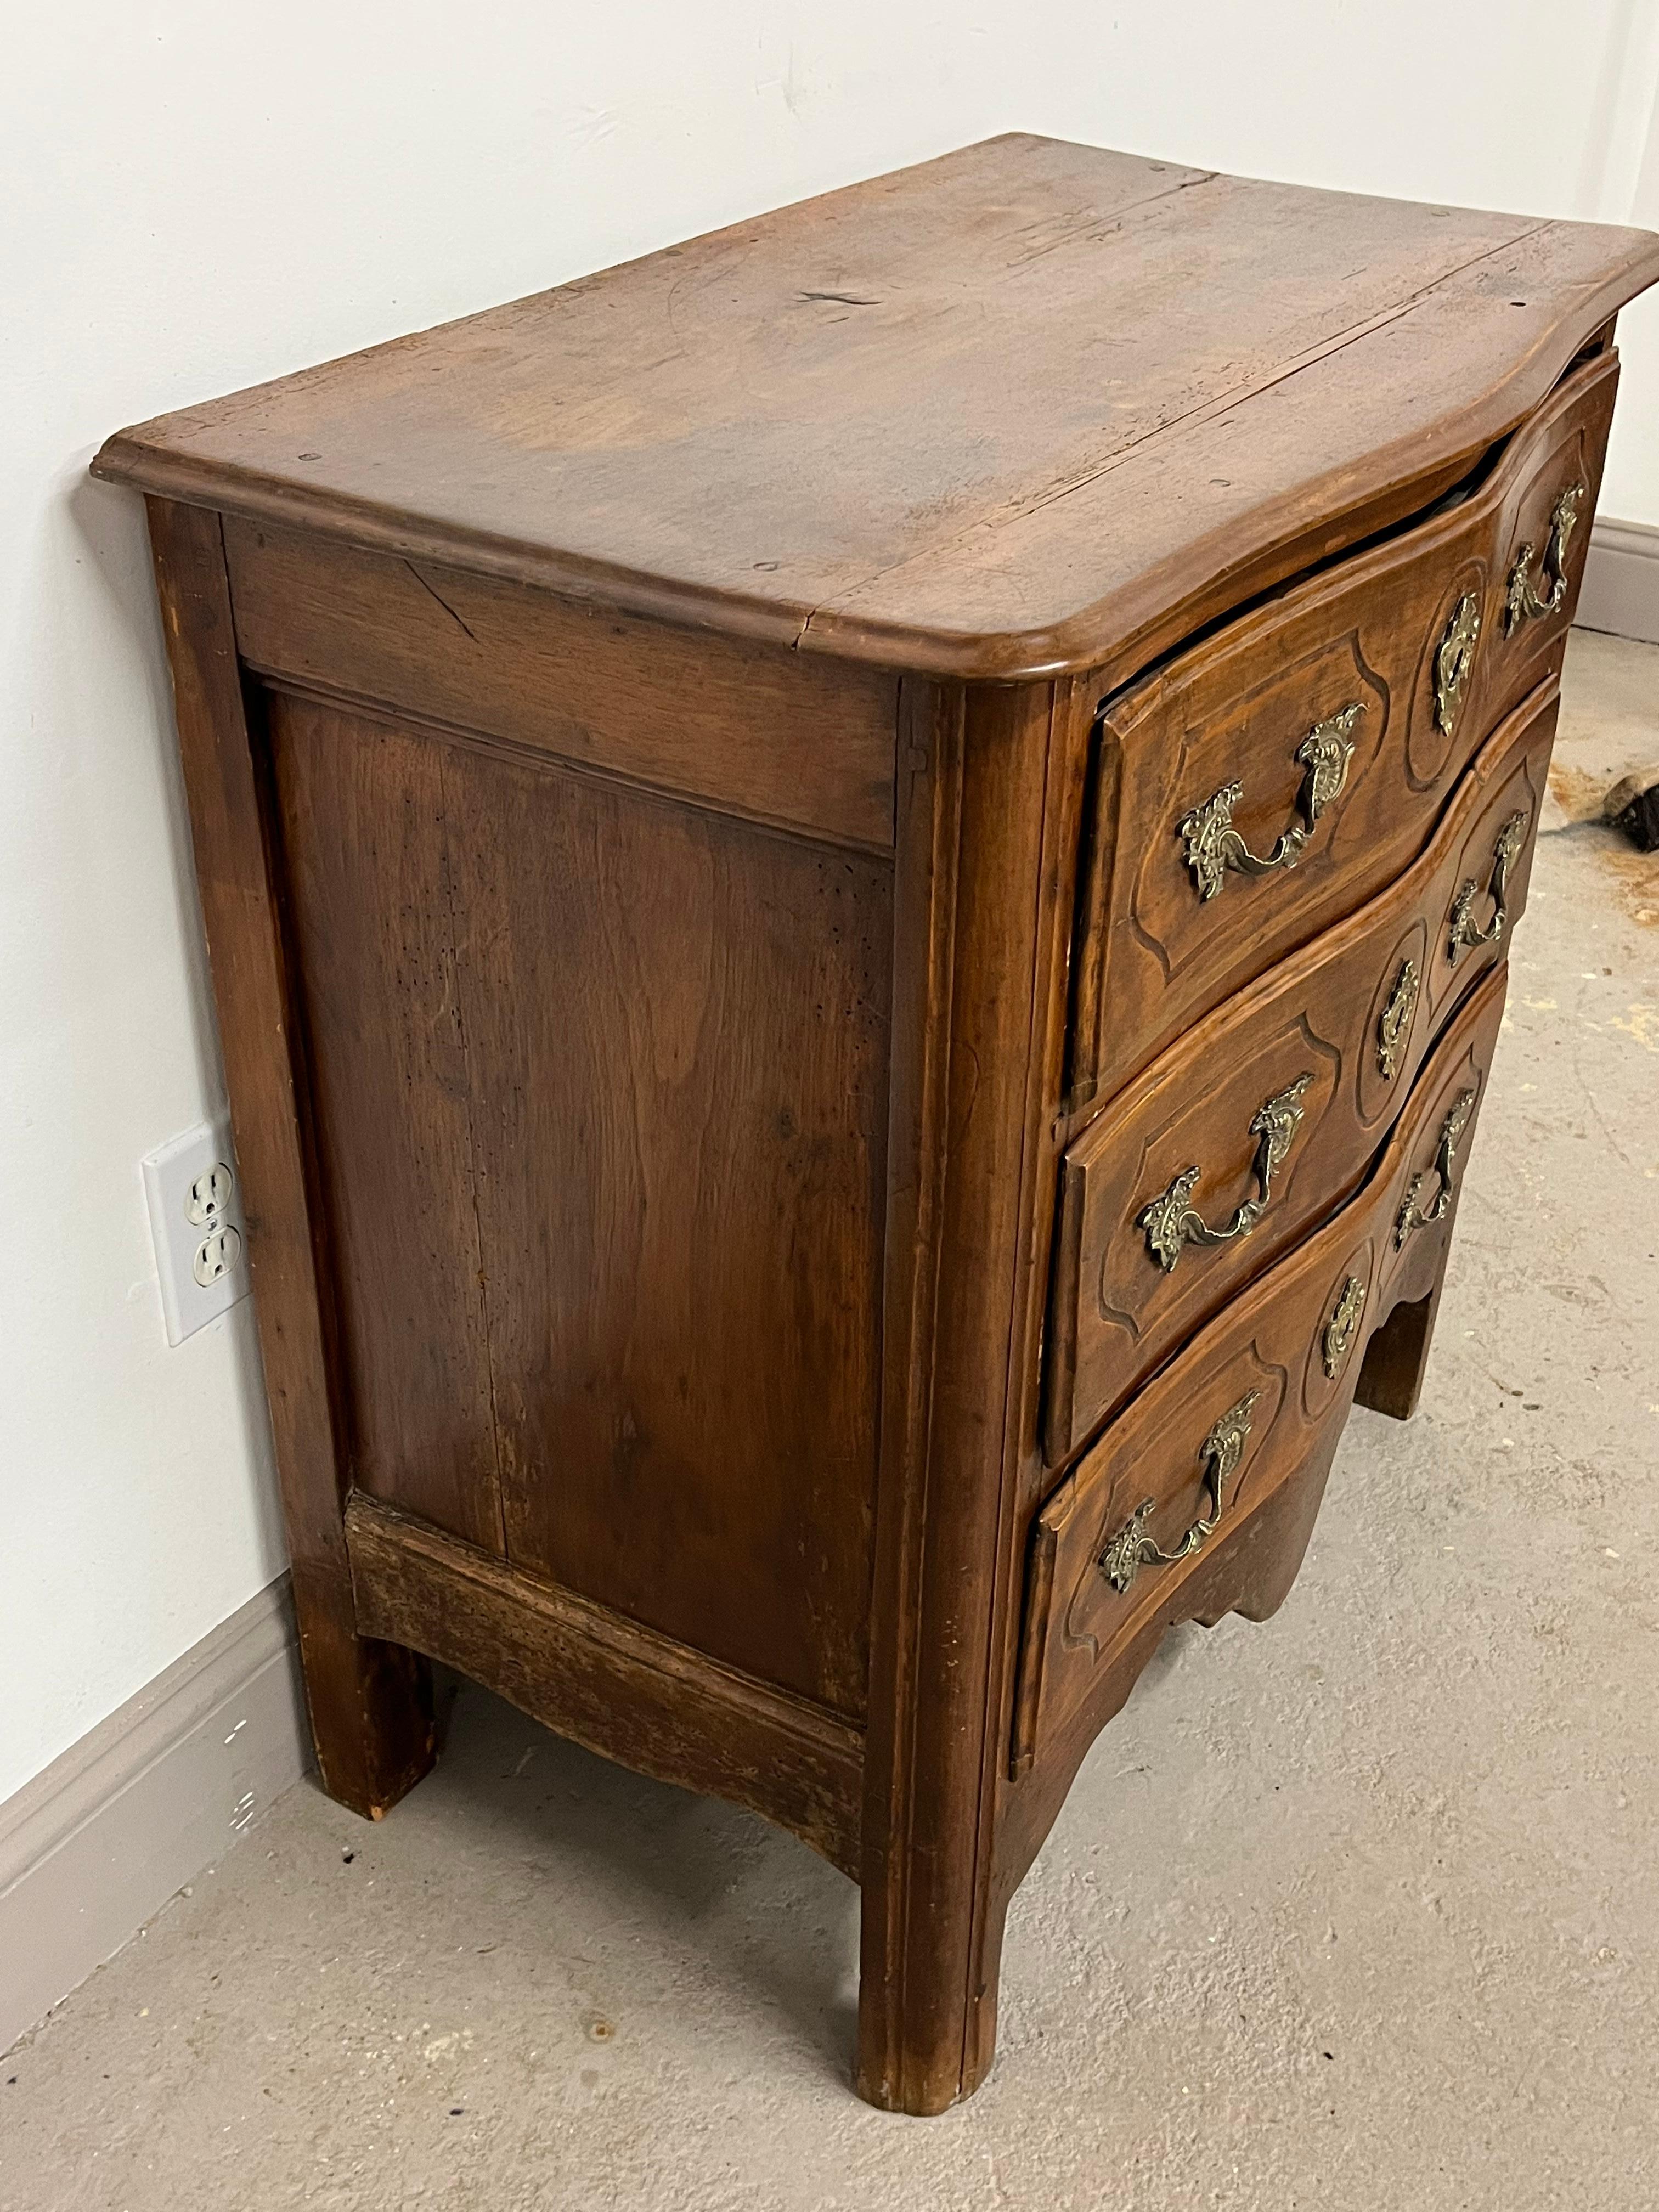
x: 169, y: 1177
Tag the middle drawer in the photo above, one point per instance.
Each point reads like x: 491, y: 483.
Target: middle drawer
x: 1262, y: 1116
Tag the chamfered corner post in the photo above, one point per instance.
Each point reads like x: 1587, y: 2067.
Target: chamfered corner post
x: 971, y: 1012
x: 370, y: 1702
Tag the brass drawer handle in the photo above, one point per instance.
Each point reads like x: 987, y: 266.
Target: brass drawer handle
x: 1462, y: 930
x: 1211, y: 844
x: 1454, y: 661
x: 1170, y: 1221
x: 1413, y: 1214
x: 1132, y: 1548
x: 1524, y: 601
x: 1395, y: 1021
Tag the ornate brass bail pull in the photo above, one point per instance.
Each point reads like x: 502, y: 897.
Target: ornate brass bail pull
x: 1462, y: 929
x: 1219, y: 1454
x: 1211, y: 846
x: 1413, y: 1214
x: 1170, y: 1221
x: 1523, y: 601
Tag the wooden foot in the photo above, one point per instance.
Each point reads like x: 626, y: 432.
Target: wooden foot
x: 1391, y: 1379
x: 370, y: 1702
x: 927, y: 2017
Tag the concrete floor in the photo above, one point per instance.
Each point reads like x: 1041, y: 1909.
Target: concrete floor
x: 1358, y: 1908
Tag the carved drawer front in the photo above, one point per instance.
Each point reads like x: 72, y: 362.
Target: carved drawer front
x: 1253, y: 1399
x: 1270, y: 778
x: 1218, y: 1156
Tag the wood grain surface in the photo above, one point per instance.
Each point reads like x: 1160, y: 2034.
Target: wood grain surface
x: 1029, y: 407
x: 365, y: 825
x: 370, y: 1702
x: 1273, y: 1340
x: 980, y: 937
x: 1152, y: 955
x: 747, y: 728
x: 598, y: 1088
x: 638, y: 1698
x: 678, y: 1031
x: 1116, y: 1313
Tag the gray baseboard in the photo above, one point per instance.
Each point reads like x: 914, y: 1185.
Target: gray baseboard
x: 96, y: 1845
x: 1621, y: 591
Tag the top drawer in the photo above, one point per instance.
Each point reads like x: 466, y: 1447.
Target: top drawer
x: 1270, y: 778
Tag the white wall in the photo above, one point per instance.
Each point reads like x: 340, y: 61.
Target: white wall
x: 196, y: 196
x: 1630, y: 490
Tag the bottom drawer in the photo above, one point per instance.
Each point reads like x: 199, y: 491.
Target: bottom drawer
x: 1252, y: 1398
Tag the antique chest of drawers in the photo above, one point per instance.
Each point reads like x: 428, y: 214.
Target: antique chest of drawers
x: 858, y: 880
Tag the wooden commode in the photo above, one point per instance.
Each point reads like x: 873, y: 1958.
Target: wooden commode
x: 858, y: 879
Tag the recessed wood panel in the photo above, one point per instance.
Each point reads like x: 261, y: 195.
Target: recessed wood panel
x: 678, y: 1031
x: 365, y: 810
x: 599, y: 1087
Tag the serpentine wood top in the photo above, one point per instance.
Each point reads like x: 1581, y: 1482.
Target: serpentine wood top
x: 1028, y: 408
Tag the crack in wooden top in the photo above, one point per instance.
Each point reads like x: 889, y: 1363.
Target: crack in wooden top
x: 1027, y: 409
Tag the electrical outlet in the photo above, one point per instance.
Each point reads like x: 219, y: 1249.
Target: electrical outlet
x: 195, y: 1221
